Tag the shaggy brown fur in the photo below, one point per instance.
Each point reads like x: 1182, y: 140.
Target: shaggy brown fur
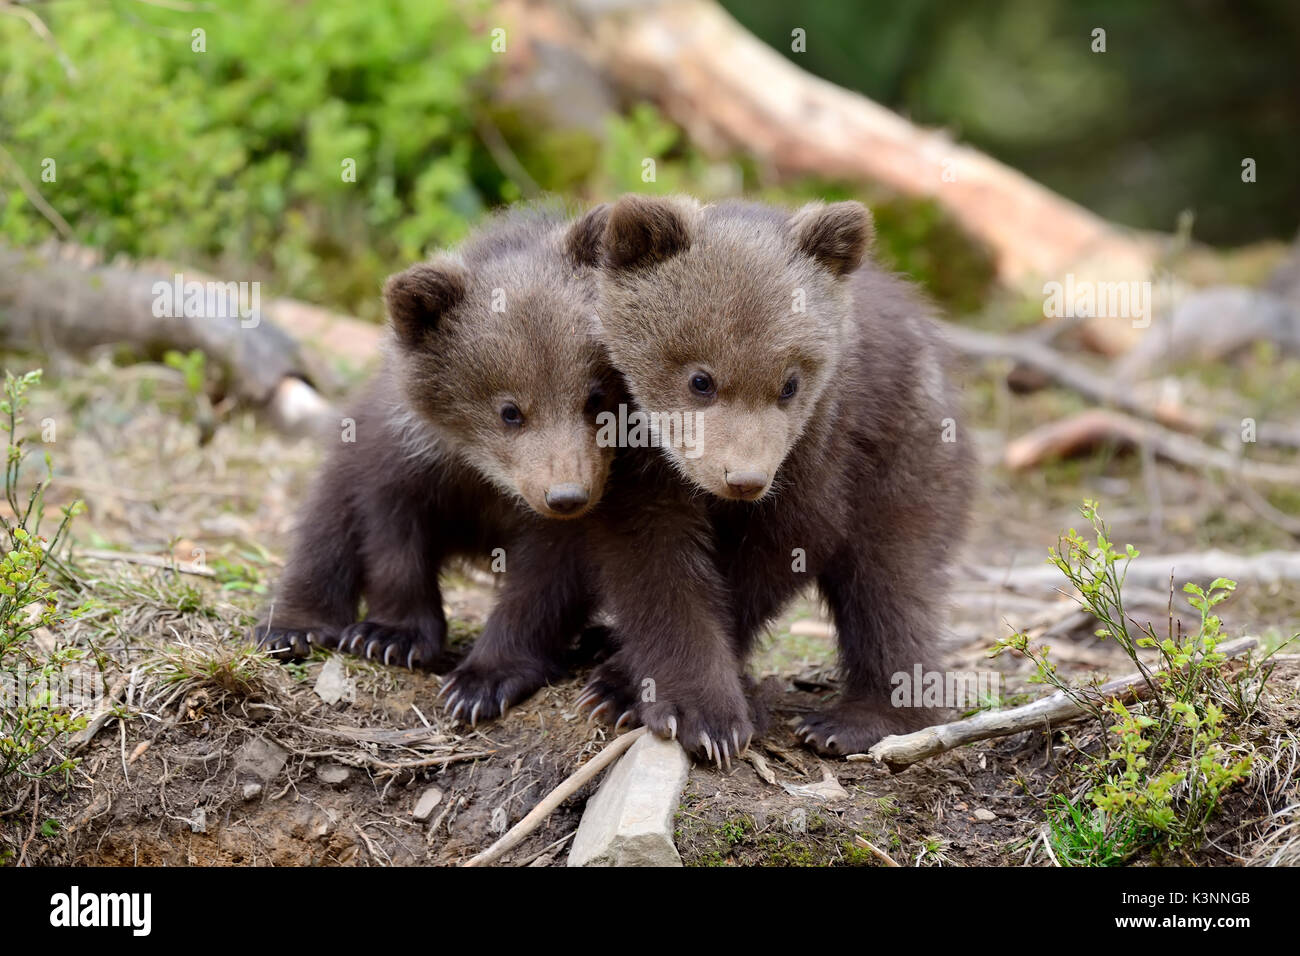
x: 478, y: 433
x: 826, y: 426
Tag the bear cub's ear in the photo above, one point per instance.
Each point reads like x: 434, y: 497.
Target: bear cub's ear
x: 419, y: 297
x: 837, y: 236
x: 642, y: 231
x: 584, y: 242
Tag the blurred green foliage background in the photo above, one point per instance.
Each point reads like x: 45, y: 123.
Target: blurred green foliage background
x: 233, y: 160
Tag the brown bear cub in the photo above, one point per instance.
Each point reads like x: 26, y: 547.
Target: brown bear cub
x: 825, y: 447
x: 476, y: 438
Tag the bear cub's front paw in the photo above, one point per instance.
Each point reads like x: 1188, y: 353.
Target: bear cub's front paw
x: 853, y: 726
x: 712, y: 721
x: 477, y: 691
x: 713, y: 732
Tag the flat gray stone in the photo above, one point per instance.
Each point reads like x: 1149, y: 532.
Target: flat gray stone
x: 260, y: 758
x: 629, y: 822
x: 425, y: 806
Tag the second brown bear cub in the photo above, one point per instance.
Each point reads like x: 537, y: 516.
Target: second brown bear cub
x: 826, y: 450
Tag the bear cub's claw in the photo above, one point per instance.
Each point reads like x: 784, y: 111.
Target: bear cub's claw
x: 291, y: 643
x: 718, y: 731
x: 608, y: 695
x: 390, y: 644
x: 473, y: 692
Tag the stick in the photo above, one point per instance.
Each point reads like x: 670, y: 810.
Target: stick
x: 31, y: 835
x: 1086, y: 430
x: 899, y: 752
x: 1144, y: 403
x: 568, y: 788
x: 149, y: 561
x: 875, y: 851
x: 387, y: 769
x: 34, y: 196
x: 101, y: 717
x: 18, y: 805
x: 1264, y: 508
x: 1151, y: 572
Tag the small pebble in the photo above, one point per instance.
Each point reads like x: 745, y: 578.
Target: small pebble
x: 332, y: 774
x: 425, y: 806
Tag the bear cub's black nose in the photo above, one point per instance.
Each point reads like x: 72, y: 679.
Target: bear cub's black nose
x: 566, y: 498
x: 746, y: 483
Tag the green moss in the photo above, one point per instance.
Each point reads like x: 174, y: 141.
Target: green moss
x: 738, y: 840
x: 918, y: 237
x: 855, y: 855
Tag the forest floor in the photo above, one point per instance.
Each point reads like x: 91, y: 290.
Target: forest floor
x: 217, y: 756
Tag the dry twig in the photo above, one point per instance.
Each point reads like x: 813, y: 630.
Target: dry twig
x: 1140, y: 402
x: 899, y: 752
x: 1088, y: 429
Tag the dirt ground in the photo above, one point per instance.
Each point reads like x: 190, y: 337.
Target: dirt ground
x: 216, y: 756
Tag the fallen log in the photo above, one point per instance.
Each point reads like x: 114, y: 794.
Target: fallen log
x: 60, y: 298
x: 52, y: 302
x: 1212, y: 325
x: 733, y: 93
x: 898, y: 752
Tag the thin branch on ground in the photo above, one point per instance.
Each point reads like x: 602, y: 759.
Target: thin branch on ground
x: 899, y: 752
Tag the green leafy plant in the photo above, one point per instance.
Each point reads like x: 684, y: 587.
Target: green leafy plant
x: 236, y: 576
x: 1165, y: 769
x: 172, y: 133
x: 1086, y: 836
x: 32, y: 717
x: 193, y: 368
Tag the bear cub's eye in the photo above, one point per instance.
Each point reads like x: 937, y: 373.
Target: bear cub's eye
x: 702, y: 384
x: 511, y: 415
x: 595, y: 401
x: 789, y: 388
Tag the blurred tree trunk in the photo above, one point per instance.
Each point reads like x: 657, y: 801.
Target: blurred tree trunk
x: 61, y: 298
x: 731, y: 92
